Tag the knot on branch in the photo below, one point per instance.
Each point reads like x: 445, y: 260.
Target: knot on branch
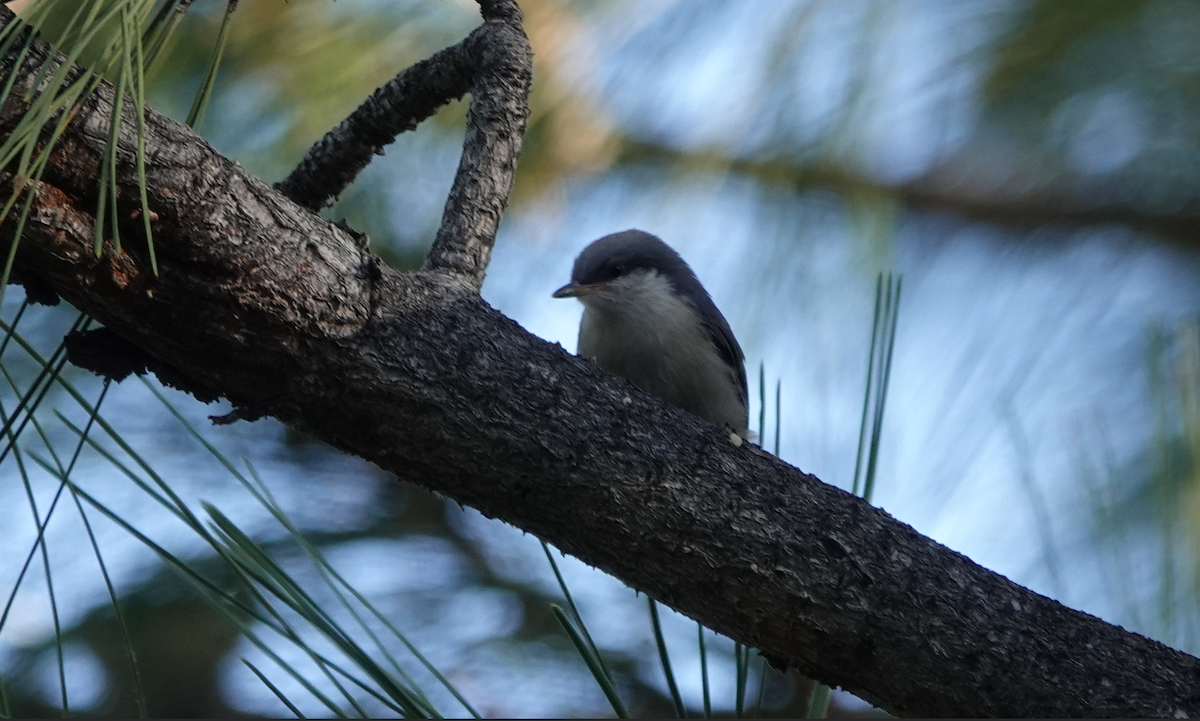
x: 108, y: 355
x: 37, y: 291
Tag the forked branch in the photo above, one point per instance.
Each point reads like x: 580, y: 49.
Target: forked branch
x: 494, y: 63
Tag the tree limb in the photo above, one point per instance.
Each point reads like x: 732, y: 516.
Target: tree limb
x: 495, y: 128
x: 945, y: 189
x: 271, y: 306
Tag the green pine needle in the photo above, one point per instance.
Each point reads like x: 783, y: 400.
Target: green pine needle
x: 203, y: 95
x: 592, y: 661
x: 275, y: 690
x: 665, y: 659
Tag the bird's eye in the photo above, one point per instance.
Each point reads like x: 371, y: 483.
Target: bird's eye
x: 617, y: 270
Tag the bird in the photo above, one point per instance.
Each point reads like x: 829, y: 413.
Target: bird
x: 647, y: 318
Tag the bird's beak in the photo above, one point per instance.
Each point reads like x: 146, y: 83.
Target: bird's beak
x: 574, y: 290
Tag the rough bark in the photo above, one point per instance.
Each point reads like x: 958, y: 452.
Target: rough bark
x: 267, y: 304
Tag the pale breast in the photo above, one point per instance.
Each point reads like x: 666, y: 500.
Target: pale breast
x: 658, y: 345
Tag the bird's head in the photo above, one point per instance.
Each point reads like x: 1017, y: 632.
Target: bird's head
x: 648, y: 318
x: 623, y: 268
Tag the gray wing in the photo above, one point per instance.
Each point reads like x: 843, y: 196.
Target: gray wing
x: 722, y: 337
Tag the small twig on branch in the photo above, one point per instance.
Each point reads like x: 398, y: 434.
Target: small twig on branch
x: 400, y: 105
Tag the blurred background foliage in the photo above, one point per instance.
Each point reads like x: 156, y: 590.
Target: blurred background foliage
x: 1031, y: 166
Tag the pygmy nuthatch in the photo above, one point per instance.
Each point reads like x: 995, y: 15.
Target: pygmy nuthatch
x: 646, y: 317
